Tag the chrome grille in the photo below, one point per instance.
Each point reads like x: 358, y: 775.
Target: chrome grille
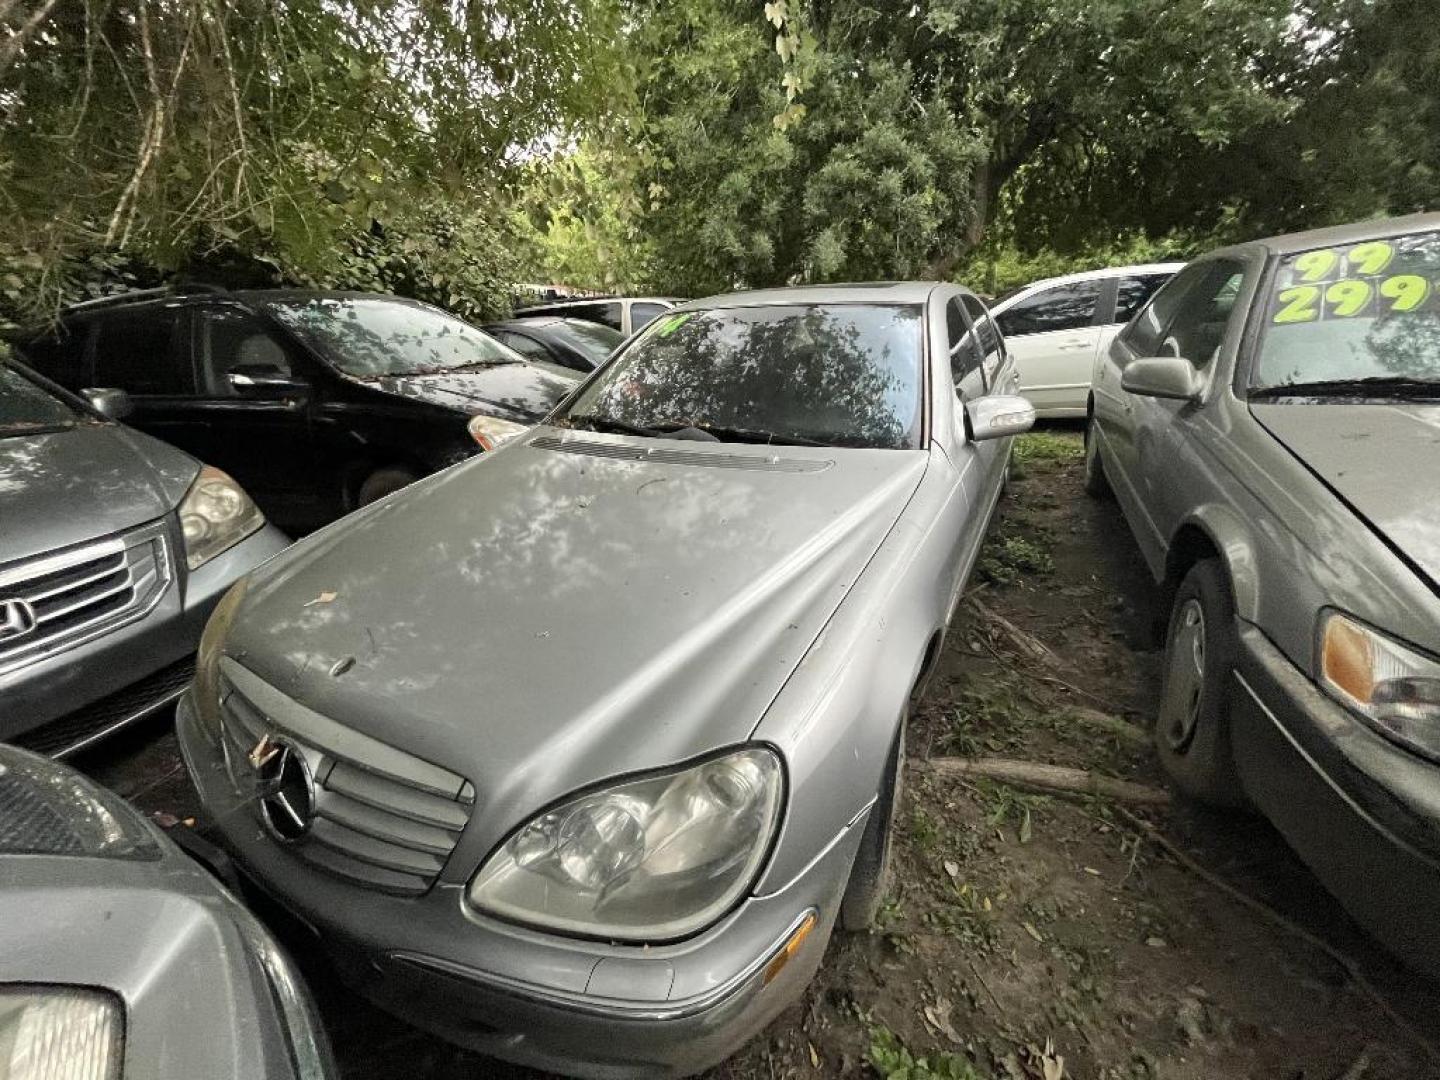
x: 58, y: 601
x: 705, y: 459
x: 382, y: 818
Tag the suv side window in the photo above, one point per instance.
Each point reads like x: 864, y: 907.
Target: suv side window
x: 964, y: 355
x: 59, y: 354
x: 231, y: 338
x: 1132, y: 292
x: 139, y: 351
x: 1060, y: 307
x: 992, y: 346
x: 642, y: 315
x: 1199, y: 323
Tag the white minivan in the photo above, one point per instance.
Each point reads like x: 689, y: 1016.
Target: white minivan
x: 1055, y: 328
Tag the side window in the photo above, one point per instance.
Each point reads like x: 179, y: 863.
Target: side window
x: 231, y: 338
x: 642, y: 315
x: 1132, y: 292
x: 992, y: 346
x: 1061, y: 307
x: 1146, y: 329
x: 1199, y: 324
x: 59, y: 354
x: 139, y: 350
x: 964, y: 355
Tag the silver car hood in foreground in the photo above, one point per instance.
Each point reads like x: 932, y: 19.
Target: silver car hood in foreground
x: 542, y: 618
x: 1383, y: 459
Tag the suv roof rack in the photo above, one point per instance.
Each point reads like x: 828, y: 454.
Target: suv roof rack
x: 144, y: 294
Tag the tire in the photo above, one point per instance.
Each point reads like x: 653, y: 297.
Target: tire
x: 872, y: 871
x: 1097, y: 484
x: 1192, y: 725
x: 383, y: 482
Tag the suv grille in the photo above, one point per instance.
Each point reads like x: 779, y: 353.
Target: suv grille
x: 55, y: 602
x: 382, y: 818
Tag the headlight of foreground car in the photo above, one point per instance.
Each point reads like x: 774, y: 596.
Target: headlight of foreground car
x: 215, y: 515
x: 60, y: 1031
x: 491, y: 431
x: 212, y: 645
x: 646, y: 860
x: 1394, y: 687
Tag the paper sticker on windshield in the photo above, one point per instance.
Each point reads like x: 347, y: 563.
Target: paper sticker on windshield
x: 1356, y: 281
x: 672, y: 323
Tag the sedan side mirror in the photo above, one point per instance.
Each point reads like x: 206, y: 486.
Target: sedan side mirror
x: 1171, y: 377
x: 108, y: 401
x: 999, y: 415
x: 264, y: 381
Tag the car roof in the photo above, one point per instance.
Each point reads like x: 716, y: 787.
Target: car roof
x: 548, y: 305
x: 146, y: 297
x: 1105, y: 272
x: 1339, y: 235
x: 542, y: 322
x: 872, y: 292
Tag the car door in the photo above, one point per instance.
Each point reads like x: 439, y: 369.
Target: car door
x: 1053, y: 336
x: 974, y: 463
x: 265, y: 440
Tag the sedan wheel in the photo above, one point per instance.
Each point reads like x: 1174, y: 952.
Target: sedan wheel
x: 1192, y: 729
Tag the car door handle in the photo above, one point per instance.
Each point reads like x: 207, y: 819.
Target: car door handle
x: 1075, y: 344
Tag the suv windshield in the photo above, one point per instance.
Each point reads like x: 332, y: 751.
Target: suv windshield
x: 27, y: 408
x: 841, y: 374
x: 370, y: 336
x: 1354, y: 316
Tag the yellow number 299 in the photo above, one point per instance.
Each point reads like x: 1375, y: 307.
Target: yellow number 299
x: 1405, y: 291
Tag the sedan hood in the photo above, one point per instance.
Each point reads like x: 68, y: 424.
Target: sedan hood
x: 1381, y: 458
x: 572, y: 607
x: 65, y: 487
x: 514, y: 391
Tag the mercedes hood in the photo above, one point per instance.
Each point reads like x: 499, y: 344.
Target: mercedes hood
x: 59, y: 488
x: 572, y: 606
x: 1381, y: 458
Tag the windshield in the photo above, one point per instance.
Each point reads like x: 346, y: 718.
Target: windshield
x: 369, y: 336
x: 1366, y: 311
x: 27, y: 408
x: 842, y: 374
x: 590, y: 340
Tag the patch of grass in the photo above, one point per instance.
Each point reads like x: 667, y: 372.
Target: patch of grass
x: 1047, y: 448
x: 892, y: 1060
x: 1008, y: 559
x: 924, y: 831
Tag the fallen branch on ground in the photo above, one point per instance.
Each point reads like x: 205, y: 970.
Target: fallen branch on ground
x: 1024, y: 642
x: 1110, y: 725
x: 1055, y: 779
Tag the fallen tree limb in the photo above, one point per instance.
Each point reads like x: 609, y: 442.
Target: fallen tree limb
x: 1351, y: 968
x: 1022, y: 641
x: 1051, y: 778
x: 1110, y: 725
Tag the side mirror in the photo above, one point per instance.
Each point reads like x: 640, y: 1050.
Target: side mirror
x: 997, y: 416
x: 1171, y: 377
x: 264, y: 381
x: 108, y: 401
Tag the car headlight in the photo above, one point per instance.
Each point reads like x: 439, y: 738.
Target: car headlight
x: 215, y: 515
x: 491, y: 431
x: 1391, y: 685
x: 60, y: 1031
x: 646, y: 860
x: 212, y: 646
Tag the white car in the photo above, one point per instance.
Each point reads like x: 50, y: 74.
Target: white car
x: 1057, y: 327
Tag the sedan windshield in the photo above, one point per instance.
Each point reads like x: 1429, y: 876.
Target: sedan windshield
x: 371, y: 336
x: 1354, y: 319
x: 27, y: 408
x: 832, y: 374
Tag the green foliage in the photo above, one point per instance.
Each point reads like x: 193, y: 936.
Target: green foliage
x: 1010, y: 559
x: 1047, y: 446
x: 892, y: 1060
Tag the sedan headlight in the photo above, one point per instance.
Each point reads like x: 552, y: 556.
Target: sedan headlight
x: 215, y: 515
x: 491, y: 431
x: 646, y: 860
x: 1394, y: 687
x: 59, y: 1031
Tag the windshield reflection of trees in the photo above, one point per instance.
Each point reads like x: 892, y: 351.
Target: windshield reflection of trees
x: 382, y: 337
x: 838, y: 374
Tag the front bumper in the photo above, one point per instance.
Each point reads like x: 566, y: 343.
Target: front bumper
x: 1363, y: 813
x: 64, y: 702
x: 577, y: 1007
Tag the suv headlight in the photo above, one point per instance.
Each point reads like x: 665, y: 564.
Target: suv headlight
x: 646, y: 860
x: 1391, y: 685
x: 491, y: 431
x: 60, y: 1031
x: 215, y: 515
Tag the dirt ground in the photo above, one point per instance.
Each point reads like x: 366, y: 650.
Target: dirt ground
x: 1031, y: 937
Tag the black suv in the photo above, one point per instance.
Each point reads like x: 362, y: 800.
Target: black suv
x: 316, y: 402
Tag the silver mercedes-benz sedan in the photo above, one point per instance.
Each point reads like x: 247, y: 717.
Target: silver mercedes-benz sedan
x: 576, y: 753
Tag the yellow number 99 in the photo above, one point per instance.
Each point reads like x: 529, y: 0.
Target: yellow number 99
x: 1405, y: 291
x: 1348, y: 296
x: 1314, y: 265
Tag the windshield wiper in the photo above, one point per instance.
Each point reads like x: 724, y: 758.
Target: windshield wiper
x: 610, y: 424
x: 1376, y: 386
x: 743, y: 435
